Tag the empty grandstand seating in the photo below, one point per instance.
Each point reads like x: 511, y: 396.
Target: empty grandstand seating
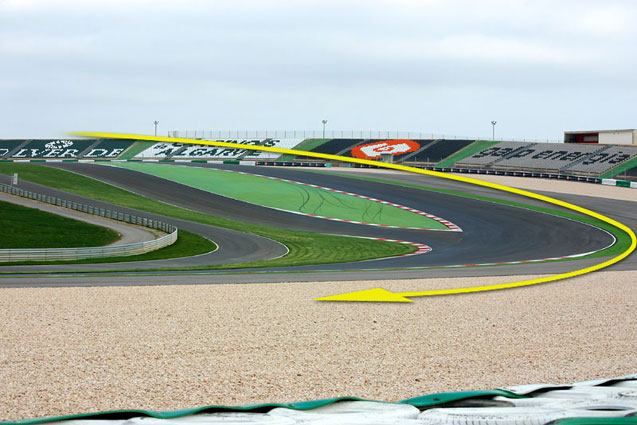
x: 630, y: 174
x: 585, y: 160
x: 410, y: 155
x: 50, y: 149
x: 206, y: 151
x: 535, y: 156
x: 548, y: 156
x: 276, y: 143
x: 335, y: 146
x: 399, y: 148
x: 604, y: 160
x: 160, y: 150
x: 6, y: 146
x: 189, y: 151
x: 494, y: 153
x: 439, y: 150
x: 108, y: 149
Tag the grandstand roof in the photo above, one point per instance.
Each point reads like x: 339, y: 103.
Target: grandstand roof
x: 598, y: 131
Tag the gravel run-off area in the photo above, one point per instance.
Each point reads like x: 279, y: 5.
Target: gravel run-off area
x: 75, y: 350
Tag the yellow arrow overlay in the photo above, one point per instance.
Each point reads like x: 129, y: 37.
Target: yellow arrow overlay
x: 382, y: 295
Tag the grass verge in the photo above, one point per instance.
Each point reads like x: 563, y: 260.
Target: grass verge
x: 305, y: 248
x: 187, y: 244
x: 24, y: 227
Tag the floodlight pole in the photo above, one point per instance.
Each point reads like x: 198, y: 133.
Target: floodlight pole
x: 493, y: 123
x: 324, y: 122
x: 156, y: 122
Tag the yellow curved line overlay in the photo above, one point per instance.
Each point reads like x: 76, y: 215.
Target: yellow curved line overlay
x: 379, y: 294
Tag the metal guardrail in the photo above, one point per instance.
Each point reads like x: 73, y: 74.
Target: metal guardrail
x: 55, y: 254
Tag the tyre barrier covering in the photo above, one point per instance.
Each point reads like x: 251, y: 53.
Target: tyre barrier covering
x: 607, y: 401
x: 59, y: 254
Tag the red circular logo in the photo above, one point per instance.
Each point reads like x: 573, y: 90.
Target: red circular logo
x: 375, y: 149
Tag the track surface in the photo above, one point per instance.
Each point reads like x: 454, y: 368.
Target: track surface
x: 492, y: 232
x: 301, y: 198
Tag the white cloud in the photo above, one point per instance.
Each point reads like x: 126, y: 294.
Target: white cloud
x: 604, y: 19
x: 44, y: 45
x: 473, y: 47
x: 181, y: 55
x: 505, y: 49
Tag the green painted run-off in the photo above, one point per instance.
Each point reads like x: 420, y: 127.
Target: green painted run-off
x: 287, y: 196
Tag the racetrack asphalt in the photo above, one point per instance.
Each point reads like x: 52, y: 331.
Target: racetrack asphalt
x: 492, y: 232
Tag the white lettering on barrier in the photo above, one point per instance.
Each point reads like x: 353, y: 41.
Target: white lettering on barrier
x: 184, y: 151
x: 53, y: 153
x: 103, y: 153
x: 114, y: 153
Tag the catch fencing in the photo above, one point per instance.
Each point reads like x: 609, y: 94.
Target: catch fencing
x: 329, y: 134
x: 60, y: 254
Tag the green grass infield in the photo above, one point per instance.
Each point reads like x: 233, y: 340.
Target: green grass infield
x: 305, y: 248
x: 187, y: 245
x: 24, y: 227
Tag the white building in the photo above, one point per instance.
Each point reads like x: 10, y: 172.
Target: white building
x: 602, y: 137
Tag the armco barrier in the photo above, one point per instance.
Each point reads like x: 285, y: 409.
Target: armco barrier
x: 55, y: 254
x: 544, y: 175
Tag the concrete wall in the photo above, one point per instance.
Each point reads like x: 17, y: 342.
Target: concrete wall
x: 624, y: 137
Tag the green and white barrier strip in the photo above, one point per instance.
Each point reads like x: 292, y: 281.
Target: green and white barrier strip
x: 620, y: 183
x: 607, y: 182
x: 607, y: 401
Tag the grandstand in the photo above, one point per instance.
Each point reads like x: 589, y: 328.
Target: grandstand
x: 575, y: 159
x: 160, y: 151
x: 429, y: 151
x: 107, y: 149
x: 630, y: 174
x: 590, y: 159
x: 439, y: 150
x: 338, y: 146
x: 548, y: 156
x: 493, y: 153
x: 53, y: 148
x: 165, y: 150
x: 7, y: 147
x: 603, y: 160
x: 63, y: 148
x: 398, y: 148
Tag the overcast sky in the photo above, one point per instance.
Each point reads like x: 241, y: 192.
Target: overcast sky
x: 449, y: 67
